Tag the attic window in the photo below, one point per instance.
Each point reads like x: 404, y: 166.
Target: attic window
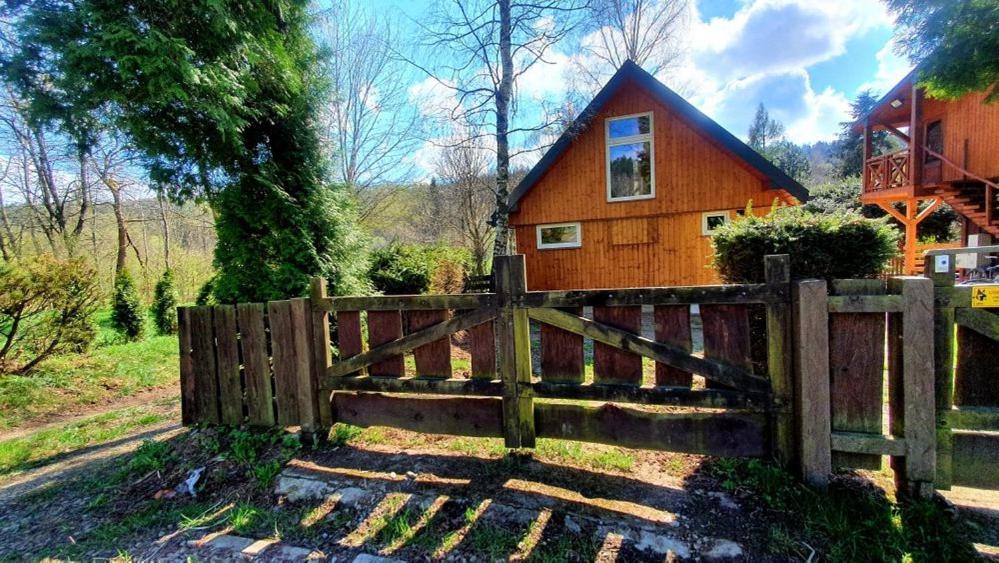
x: 561, y: 235
x: 630, y: 167
x: 711, y: 220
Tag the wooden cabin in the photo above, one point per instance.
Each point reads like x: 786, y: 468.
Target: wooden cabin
x: 951, y: 156
x: 629, y: 195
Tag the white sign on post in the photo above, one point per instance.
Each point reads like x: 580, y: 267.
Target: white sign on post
x: 941, y: 263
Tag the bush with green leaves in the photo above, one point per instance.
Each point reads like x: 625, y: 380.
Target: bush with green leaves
x: 126, y: 311
x: 402, y: 269
x: 164, y: 307
x: 46, y: 308
x: 834, y: 245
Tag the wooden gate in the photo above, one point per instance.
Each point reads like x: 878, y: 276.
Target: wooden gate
x: 726, y: 413
x: 967, y: 380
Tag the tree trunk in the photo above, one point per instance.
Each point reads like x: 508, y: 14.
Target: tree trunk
x: 119, y: 217
x: 501, y: 247
x: 166, y: 231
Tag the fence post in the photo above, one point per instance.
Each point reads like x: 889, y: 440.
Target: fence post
x: 514, y: 351
x: 322, y: 354
x: 811, y: 369
x: 943, y: 365
x: 777, y: 270
x: 912, y: 384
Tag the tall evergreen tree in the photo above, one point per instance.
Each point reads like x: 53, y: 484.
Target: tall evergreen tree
x: 220, y: 98
x: 954, y: 42
x: 766, y: 136
x: 764, y: 131
x: 850, y: 145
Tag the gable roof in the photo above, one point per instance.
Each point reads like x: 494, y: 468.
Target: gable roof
x: 631, y: 71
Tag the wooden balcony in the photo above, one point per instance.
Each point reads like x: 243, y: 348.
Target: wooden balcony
x: 887, y: 174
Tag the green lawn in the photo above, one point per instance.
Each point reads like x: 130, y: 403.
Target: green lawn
x: 111, y: 369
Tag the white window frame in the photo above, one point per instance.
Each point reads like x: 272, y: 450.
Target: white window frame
x: 704, y: 220
x: 557, y: 245
x: 646, y: 137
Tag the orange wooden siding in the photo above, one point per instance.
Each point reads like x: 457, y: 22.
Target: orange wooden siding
x: 968, y: 120
x: 652, y: 242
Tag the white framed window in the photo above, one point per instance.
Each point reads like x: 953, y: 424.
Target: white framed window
x: 560, y: 235
x: 631, y: 170
x: 711, y: 220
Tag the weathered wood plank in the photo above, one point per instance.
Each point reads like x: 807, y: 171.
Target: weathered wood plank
x: 811, y: 361
x: 513, y: 329
x: 727, y: 336
x: 977, y: 370
x: 777, y: 271
x: 865, y: 303
x: 383, y: 327
x: 918, y: 397
x: 433, y: 359
x: 721, y: 372
x: 952, y: 296
x: 680, y: 295
x: 256, y: 364
x: 188, y: 384
x: 306, y: 386
x: 856, y: 368
x: 434, y: 386
x: 399, y: 346
x: 982, y: 321
x: 722, y: 434
x: 672, y: 326
x: 348, y: 332
x: 464, y: 416
x: 658, y: 395
x: 611, y: 364
x: 411, y: 302
x: 974, y: 418
x: 975, y: 458
x: 482, y: 346
x: 203, y: 358
x: 869, y: 444
x: 561, y: 353
x: 227, y: 357
x: 943, y: 366
x: 322, y: 352
x: 284, y: 362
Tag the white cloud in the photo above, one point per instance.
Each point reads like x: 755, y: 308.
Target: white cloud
x: 891, y: 69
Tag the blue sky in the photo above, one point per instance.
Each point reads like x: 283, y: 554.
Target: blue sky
x: 804, y: 59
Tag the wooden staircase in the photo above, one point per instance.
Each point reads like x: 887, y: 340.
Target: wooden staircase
x: 968, y: 197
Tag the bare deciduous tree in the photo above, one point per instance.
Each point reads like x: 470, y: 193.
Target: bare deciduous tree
x: 368, y: 126
x: 481, y: 48
x: 465, y: 192
x: 646, y: 32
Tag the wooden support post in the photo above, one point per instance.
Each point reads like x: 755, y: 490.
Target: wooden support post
x: 811, y: 370
x: 322, y: 354
x: 916, y: 138
x: 514, y: 358
x: 778, y: 272
x: 943, y: 367
x: 307, y: 385
x: 913, y: 396
x: 868, y: 149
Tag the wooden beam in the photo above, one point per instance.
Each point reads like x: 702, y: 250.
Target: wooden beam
x: 429, y: 386
x: 410, y: 341
x: 861, y: 443
x: 930, y: 209
x: 890, y: 209
x: 865, y: 304
x: 811, y: 361
x: 979, y: 320
x: 462, y: 416
x: 894, y: 131
x: 705, y: 294
x: 916, y: 134
x: 974, y: 418
x: 658, y: 395
x: 408, y: 302
x: 711, y: 369
x: 721, y: 434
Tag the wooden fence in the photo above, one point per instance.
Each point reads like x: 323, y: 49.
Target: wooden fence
x: 788, y: 370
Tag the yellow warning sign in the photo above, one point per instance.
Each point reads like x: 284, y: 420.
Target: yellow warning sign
x: 985, y: 296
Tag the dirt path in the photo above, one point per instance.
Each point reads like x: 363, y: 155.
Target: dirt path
x: 77, y: 413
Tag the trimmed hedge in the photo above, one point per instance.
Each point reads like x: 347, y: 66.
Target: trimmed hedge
x: 405, y: 269
x: 839, y: 245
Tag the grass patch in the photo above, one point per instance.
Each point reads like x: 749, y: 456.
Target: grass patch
x: 850, y: 521
x: 590, y: 456
x: 112, y: 369
x: 22, y: 453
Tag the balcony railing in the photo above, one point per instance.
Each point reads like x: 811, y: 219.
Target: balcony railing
x: 887, y: 172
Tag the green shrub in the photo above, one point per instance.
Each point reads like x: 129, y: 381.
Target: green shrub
x: 164, y: 307
x: 402, y: 269
x: 206, y: 295
x: 126, y: 311
x: 46, y: 308
x: 834, y: 245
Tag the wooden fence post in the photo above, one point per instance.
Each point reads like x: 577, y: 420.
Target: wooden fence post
x: 943, y: 365
x: 188, y: 385
x: 514, y: 351
x: 913, y: 398
x: 811, y: 368
x: 777, y: 270
x: 322, y: 353
x: 306, y: 384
